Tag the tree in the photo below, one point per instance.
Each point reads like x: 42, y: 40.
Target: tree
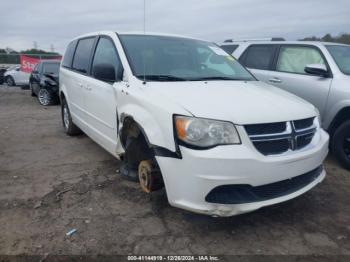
x: 13, y: 57
x: 342, y: 38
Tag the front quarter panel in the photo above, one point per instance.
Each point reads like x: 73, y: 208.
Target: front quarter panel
x: 152, y: 113
x: 338, y: 99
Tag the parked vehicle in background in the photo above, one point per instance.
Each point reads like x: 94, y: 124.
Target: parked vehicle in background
x: 319, y: 72
x: 14, y: 76
x: 43, y: 82
x: 2, y: 71
x: 183, y: 113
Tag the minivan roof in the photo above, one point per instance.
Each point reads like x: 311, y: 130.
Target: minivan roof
x: 136, y: 33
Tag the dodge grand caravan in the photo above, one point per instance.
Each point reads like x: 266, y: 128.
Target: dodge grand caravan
x: 183, y: 114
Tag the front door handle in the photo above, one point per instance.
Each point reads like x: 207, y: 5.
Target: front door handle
x: 275, y: 80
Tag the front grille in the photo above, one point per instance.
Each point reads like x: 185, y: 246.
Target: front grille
x: 270, y: 128
x: 272, y: 147
x: 240, y: 194
x: 278, y: 138
x: 303, y: 123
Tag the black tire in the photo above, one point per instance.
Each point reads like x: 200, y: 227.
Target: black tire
x: 10, y: 81
x: 45, y: 97
x: 69, y: 127
x: 340, y: 144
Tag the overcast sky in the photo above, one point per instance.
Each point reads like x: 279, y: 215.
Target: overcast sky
x: 57, y: 21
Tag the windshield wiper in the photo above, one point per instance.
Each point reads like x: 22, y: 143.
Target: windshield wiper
x: 161, y: 78
x: 214, y: 78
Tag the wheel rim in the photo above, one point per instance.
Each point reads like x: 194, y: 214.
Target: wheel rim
x: 65, y: 116
x: 44, y: 97
x: 347, y: 146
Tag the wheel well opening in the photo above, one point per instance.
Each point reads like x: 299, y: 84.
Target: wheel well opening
x: 139, y: 161
x: 135, y: 143
x: 62, y: 96
x: 340, y: 118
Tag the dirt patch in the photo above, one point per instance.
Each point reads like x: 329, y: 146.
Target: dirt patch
x: 51, y: 184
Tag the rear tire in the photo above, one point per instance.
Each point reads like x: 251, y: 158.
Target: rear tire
x: 10, y: 81
x: 69, y: 127
x: 340, y: 144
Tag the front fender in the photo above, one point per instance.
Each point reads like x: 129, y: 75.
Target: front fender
x: 333, y: 111
x: 157, y: 134
x: 152, y: 113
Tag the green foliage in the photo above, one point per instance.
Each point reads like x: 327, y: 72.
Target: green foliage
x: 38, y: 52
x: 342, y: 38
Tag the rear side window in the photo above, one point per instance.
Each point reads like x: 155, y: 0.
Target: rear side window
x: 82, y: 54
x: 68, y: 55
x: 294, y: 59
x: 258, y: 57
x: 229, y: 48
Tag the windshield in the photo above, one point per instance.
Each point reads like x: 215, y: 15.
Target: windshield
x: 341, y: 55
x: 163, y: 58
x: 51, y: 68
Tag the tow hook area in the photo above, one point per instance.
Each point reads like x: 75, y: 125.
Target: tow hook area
x: 149, y: 176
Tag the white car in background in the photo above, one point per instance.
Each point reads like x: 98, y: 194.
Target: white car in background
x: 318, y: 72
x: 15, y: 77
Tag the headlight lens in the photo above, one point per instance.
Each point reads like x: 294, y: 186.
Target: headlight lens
x: 205, y: 132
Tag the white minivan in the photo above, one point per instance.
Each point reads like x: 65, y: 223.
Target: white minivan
x: 183, y: 114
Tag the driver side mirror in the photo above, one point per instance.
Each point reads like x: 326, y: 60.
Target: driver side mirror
x: 317, y: 70
x: 107, y: 73
x: 35, y: 72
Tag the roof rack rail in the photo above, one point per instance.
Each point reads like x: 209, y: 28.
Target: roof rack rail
x: 255, y: 39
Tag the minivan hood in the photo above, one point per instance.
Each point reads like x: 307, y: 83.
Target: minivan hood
x: 241, y: 102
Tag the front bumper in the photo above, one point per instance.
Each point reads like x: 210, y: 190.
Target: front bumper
x: 189, y: 180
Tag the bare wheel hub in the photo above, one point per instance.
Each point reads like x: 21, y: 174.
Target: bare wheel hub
x: 149, y: 176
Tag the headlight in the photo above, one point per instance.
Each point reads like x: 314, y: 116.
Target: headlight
x: 205, y: 132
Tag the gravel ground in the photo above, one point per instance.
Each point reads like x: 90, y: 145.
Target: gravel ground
x: 51, y: 183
